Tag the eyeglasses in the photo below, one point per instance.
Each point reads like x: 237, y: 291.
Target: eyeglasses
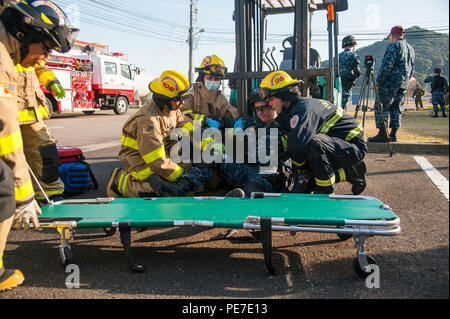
x: 262, y: 108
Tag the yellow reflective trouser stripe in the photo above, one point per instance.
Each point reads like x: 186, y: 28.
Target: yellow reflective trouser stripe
x: 342, y: 176
x: 176, y: 173
x: 122, y: 186
x: 355, y: 132
x: 186, y: 111
x: 141, y: 175
x: 284, y: 142
x: 30, y: 114
x: 10, y: 143
x: 298, y: 164
x: 154, y: 155
x: 40, y: 195
x: 330, y: 123
x: 24, y: 191
x: 130, y: 142
x: 326, y: 182
x: 1, y: 261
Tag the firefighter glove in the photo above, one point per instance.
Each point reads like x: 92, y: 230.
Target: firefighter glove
x: 213, y: 123
x: 27, y: 214
x: 239, y: 125
x: 58, y: 90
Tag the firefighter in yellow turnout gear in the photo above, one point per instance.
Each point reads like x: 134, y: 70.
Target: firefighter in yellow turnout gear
x: 28, y: 30
x: 39, y: 144
x: 207, y: 99
x: 146, y: 139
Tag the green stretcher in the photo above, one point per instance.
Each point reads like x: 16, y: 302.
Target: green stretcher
x: 347, y: 216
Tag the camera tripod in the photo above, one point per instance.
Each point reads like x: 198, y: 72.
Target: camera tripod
x: 364, y: 95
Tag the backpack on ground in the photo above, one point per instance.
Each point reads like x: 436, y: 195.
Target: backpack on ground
x: 75, y: 173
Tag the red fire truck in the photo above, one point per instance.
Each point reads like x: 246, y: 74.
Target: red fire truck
x: 92, y: 82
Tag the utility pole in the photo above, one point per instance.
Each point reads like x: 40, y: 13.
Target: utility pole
x: 191, y: 38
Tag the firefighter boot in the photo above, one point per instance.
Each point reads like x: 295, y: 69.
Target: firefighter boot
x: 112, y: 190
x: 165, y: 188
x: 393, y: 135
x: 435, y: 114
x: 10, y: 279
x: 237, y: 192
x: 443, y: 112
x: 381, y: 137
x: 356, y: 176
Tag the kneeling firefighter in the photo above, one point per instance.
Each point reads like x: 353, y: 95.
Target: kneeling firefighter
x: 319, y: 134
x: 146, y: 141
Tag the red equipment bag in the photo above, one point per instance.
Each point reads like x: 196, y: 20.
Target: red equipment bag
x: 68, y: 154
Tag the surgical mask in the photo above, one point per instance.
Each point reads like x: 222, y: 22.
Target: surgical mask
x: 212, y: 85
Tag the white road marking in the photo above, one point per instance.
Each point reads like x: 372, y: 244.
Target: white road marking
x: 436, y: 177
x: 96, y: 147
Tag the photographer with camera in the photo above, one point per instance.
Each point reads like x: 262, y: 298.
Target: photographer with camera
x: 397, y: 67
x: 350, y: 71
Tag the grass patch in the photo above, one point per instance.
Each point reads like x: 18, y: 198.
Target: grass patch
x: 417, y: 127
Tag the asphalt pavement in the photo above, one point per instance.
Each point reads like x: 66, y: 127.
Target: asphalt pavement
x: 187, y: 263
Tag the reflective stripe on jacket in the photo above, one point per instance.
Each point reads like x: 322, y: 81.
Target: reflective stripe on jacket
x: 146, y: 142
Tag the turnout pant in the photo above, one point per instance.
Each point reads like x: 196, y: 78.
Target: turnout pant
x: 130, y: 187
x: 327, y: 154
x: 41, y: 153
x: 7, y: 205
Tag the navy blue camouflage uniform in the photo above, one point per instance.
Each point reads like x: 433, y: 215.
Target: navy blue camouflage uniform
x: 439, y: 85
x: 323, y: 137
x: 247, y: 175
x: 397, y: 67
x: 349, y: 70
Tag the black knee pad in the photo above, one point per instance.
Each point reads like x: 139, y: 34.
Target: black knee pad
x: 50, y: 163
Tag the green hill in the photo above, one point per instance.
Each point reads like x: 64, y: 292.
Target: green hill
x: 431, y: 52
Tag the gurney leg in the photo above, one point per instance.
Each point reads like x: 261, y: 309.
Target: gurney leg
x: 266, y: 239
x: 362, y: 261
x: 65, y: 231
x: 125, y: 239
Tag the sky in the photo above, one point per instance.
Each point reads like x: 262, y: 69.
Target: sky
x: 154, y: 33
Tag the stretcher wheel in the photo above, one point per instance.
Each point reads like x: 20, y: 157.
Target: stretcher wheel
x: 360, y: 271
x: 110, y: 231
x: 67, y: 256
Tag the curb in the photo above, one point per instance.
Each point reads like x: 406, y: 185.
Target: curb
x: 410, y: 148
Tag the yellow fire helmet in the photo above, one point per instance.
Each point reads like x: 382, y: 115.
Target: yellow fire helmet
x: 171, y: 85
x: 212, y: 65
x: 276, y: 82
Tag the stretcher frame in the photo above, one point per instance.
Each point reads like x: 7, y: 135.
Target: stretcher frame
x: 260, y: 226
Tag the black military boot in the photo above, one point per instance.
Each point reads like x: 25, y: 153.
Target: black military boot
x: 443, y: 113
x: 381, y: 137
x: 356, y: 177
x: 435, y: 114
x: 393, y: 135
x: 237, y: 192
x: 165, y: 188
